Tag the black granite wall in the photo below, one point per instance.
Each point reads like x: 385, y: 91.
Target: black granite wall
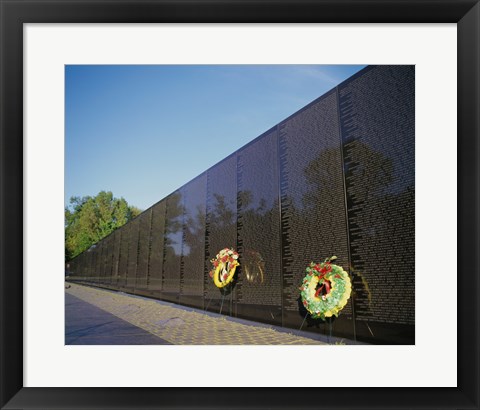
x: 335, y: 178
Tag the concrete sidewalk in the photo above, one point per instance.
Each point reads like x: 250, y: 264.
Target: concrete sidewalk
x: 141, y: 320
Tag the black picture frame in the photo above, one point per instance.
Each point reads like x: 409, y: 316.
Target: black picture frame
x: 14, y: 13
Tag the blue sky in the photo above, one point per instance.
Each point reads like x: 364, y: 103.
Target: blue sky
x: 144, y: 131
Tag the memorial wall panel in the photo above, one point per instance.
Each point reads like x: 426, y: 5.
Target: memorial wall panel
x: 84, y: 266
x: 132, y: 254
x: 91, y: 253
x: 96, y: 263
x: 71, y: 268
x: 108, y: 259
x: 312, y: 203
x: 93, y: 258
x: 103, y: 268
x: 156, y: 251
x: 144, y: 221
x: 221, y: 227
x: 259, y: 287
x: 74, y: 267
x: 117, y: 235
x: 173, y: 246
x: 79, y: 269
x: 87, y: 265
x: 96, y: 258
x: 377, y: 112
x: 102, y: 250
x: 123, y: 262
x: 100, y: 261
x: 193, y: 250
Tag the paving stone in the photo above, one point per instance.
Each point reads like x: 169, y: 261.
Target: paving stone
x: 179, y: 325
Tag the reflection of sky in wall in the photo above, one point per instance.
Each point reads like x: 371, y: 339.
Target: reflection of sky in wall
x: 177, y: 243
x: 144, y: 131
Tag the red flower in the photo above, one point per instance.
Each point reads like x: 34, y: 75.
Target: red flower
x: 326, y: 268
x: 327, y: 287
x: 338, y: 276
x: 211, y: 273
x: 319, y: 290
x: 305, y: 303
x: 215, y: 263
x: 225, y: 276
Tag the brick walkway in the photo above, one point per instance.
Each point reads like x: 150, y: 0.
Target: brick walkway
x: 181, y: 326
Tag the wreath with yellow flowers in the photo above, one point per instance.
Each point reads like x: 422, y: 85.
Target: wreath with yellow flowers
x: 224, y: 266
x: 325, y: 289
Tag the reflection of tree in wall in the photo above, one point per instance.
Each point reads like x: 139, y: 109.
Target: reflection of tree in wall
x: 194, y: 233
x: 222, y: 221
x: 221, y: 233
x: 323, y: 212
x: 381, y: 224
x: 222, y: 214
x: 260, y: 235
x: 173, y: 230
x: 313, y: 221
x: 260, y: 275
x: 194, y: 243
x: 192, y: 273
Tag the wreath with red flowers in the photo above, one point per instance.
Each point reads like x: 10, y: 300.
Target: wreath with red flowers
x: 325, y: 289
x: 224, y: 266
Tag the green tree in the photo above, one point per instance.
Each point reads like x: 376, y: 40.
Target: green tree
x: 90, y: 219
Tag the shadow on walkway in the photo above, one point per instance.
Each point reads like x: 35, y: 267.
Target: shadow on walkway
x: 86, y: 324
